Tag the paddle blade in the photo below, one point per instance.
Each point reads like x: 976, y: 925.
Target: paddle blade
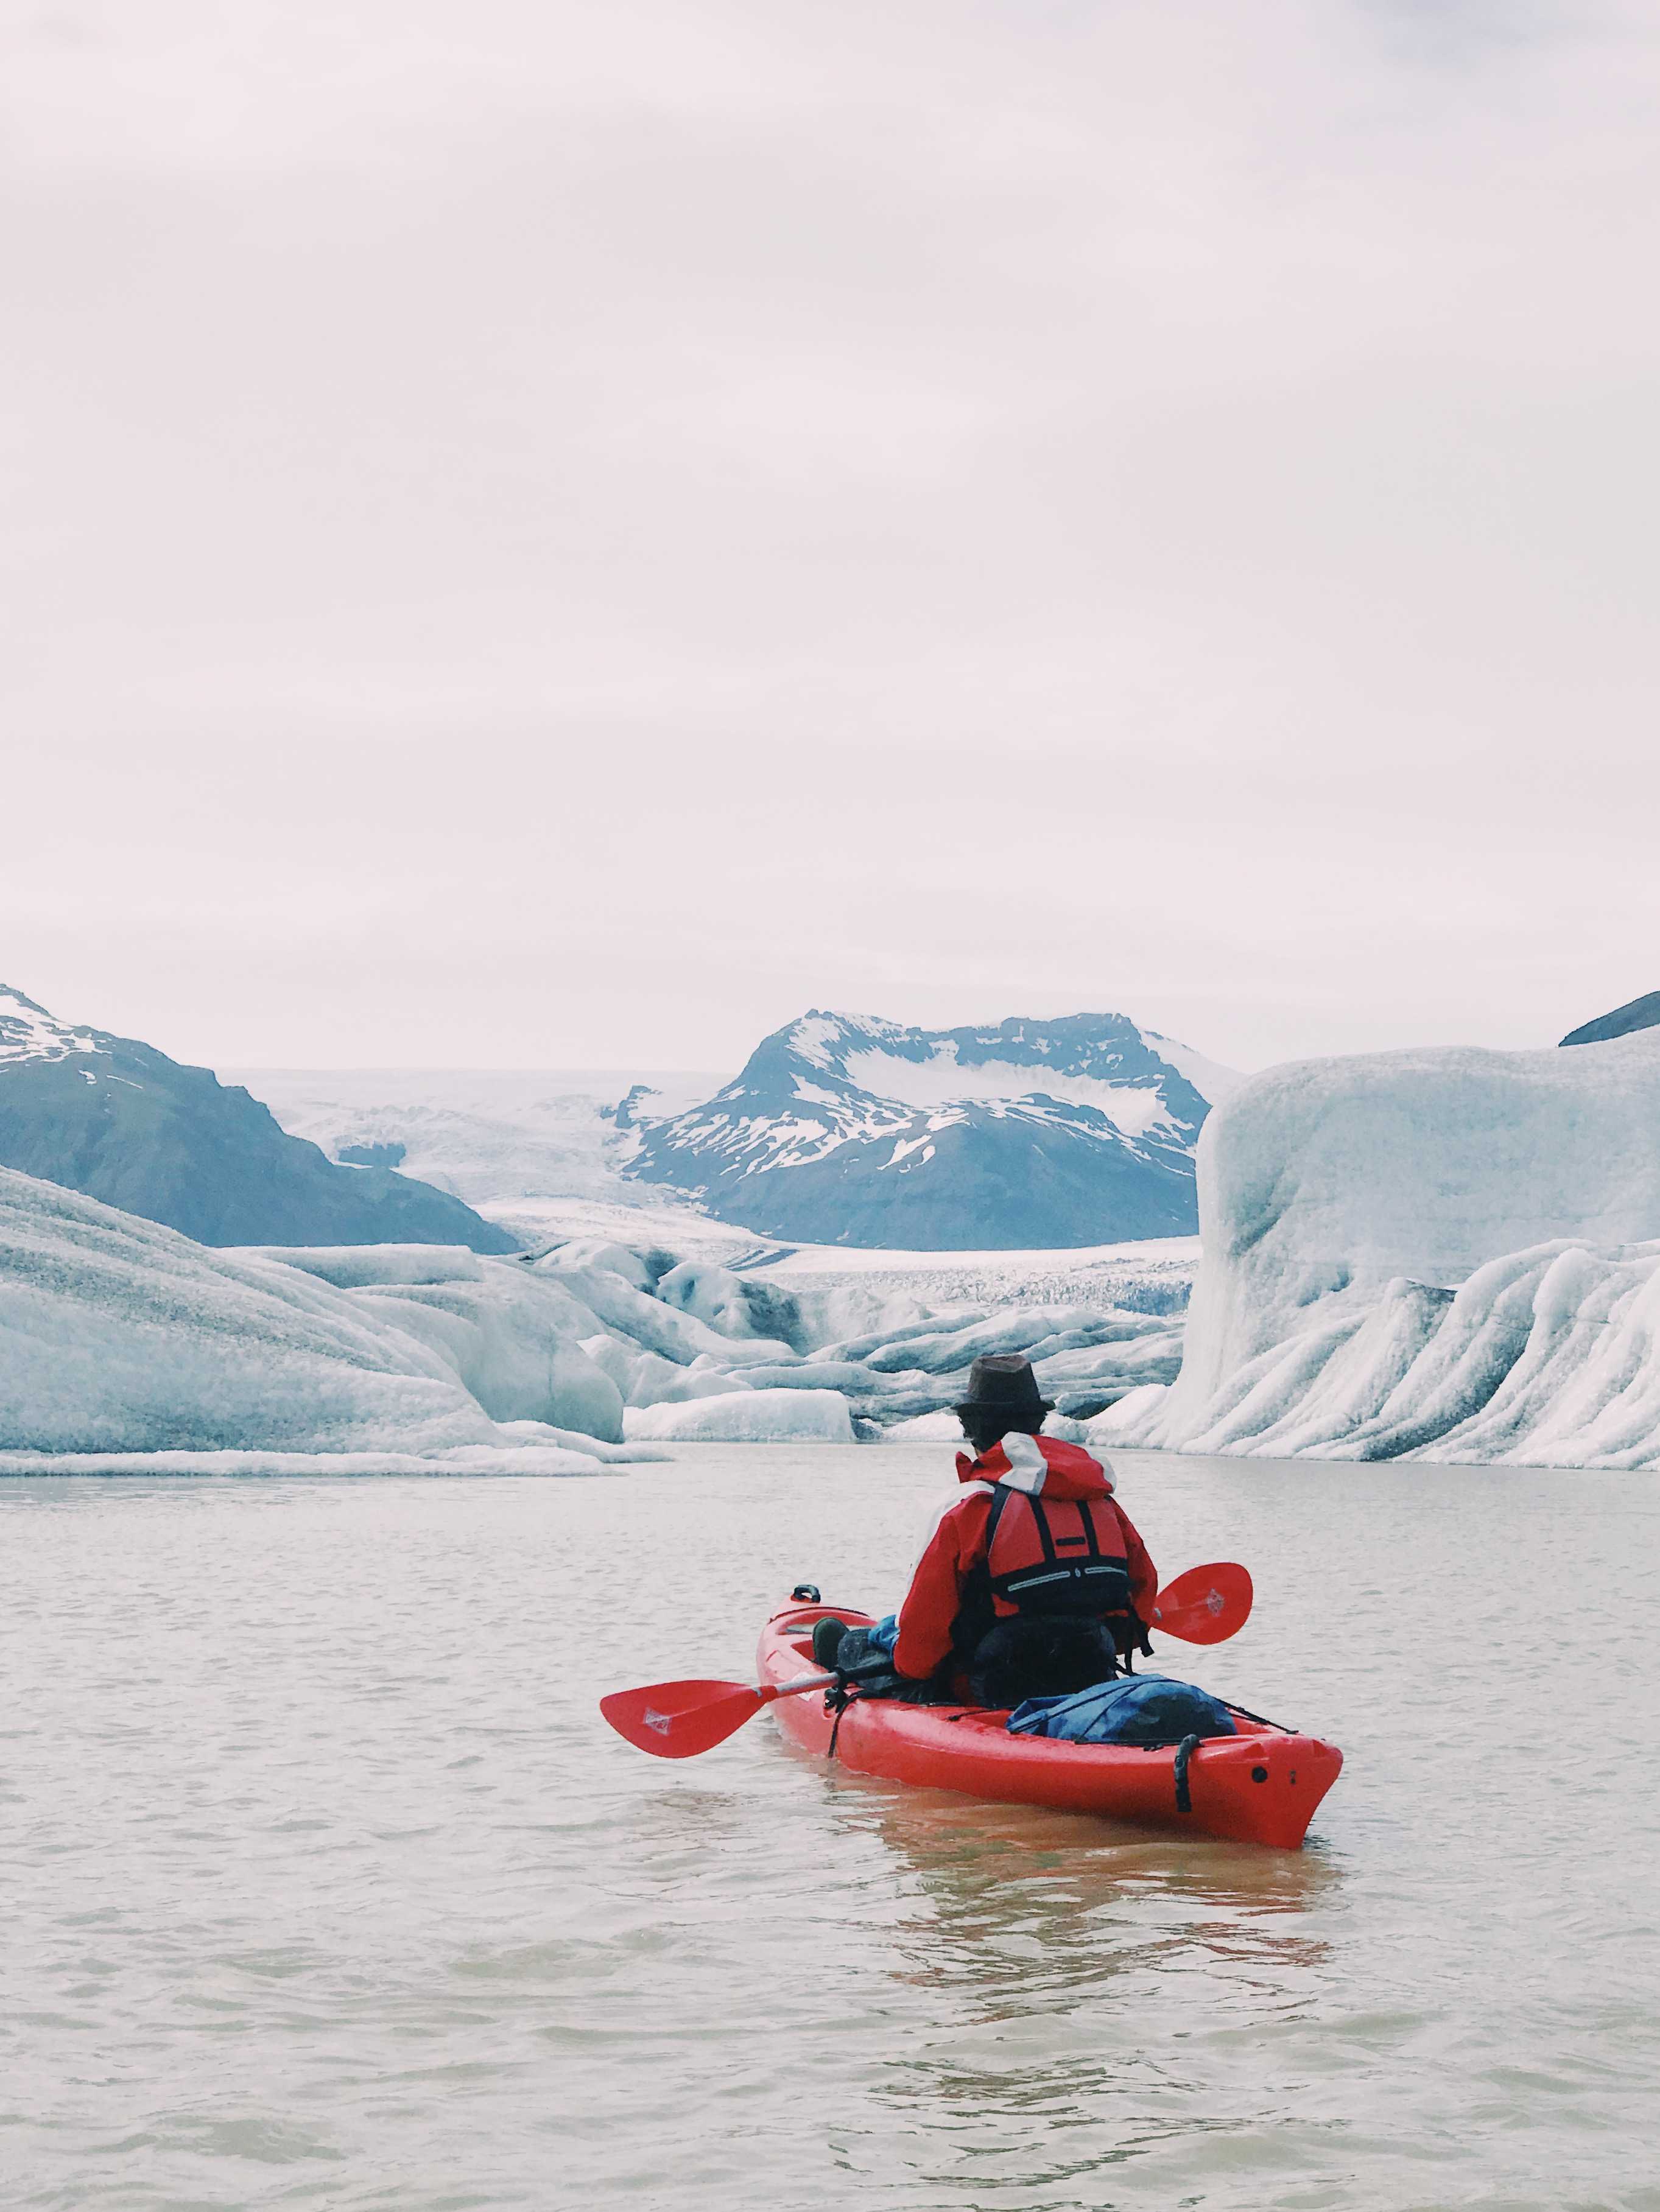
x: 1207, y: 1605
x: 677, y: 1720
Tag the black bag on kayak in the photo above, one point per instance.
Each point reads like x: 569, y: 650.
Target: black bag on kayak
x: 1034, y: 1660
x: 1137, y: 1709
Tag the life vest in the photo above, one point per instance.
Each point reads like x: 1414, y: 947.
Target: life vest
x: 1062, y: 1555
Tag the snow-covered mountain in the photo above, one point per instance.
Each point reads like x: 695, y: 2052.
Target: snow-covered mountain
x: 847, y: 1129
x: 121, y: 1122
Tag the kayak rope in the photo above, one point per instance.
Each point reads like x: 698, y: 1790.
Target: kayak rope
x: 1261, y: 1719
x: 837, y: 1701
x: 845, y: 1689
x: 1184, y: 1751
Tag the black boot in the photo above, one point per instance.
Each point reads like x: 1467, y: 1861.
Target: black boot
x: 827, y: 1641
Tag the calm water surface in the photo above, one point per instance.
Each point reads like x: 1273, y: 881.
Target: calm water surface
x: 324, y: 1887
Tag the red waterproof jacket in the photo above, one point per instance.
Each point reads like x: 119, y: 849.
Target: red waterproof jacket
x: 1031, y: 1467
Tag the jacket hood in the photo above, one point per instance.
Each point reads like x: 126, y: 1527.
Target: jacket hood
x: 1040, y: 1466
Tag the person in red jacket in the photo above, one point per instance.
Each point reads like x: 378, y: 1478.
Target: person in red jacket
x: 1033, y: 1578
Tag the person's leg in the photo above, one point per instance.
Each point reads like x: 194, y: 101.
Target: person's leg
x: 1028, y: 1658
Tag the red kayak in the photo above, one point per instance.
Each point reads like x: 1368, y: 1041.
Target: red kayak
x: 1261, y: 1786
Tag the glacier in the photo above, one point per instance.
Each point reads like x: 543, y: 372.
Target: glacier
x: 1446, y: 1255
x: 124, y: 1343
x: 524, y: 1148
x: 120, y: 1337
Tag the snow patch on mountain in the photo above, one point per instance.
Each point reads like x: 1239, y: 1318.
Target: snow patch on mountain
x: 29, y: 1032
x: 1209, y: 1077
x: 944, y: 1081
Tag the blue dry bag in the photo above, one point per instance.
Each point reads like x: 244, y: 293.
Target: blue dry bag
x: 1137, y: 1709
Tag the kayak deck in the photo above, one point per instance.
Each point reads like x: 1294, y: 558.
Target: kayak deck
x: 1261, y: 1786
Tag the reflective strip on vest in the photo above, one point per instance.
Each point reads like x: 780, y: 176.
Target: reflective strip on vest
x: 1024, y: 1563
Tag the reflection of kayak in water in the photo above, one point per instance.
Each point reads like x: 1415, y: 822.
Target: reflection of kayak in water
x: 1261, y: 1786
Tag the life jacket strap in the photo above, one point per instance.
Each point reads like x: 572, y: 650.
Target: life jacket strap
x: 1096, y: 1584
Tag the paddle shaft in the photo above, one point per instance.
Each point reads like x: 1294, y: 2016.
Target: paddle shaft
x: 798, y: 1688
x: 677, y: 1720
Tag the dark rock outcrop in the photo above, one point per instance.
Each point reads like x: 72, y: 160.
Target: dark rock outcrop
x: 1642, y: 1013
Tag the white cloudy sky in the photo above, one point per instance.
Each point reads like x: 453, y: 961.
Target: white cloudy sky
x: 548, y: 534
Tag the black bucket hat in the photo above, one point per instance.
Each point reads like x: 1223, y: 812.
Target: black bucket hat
x: 1003, y: 1383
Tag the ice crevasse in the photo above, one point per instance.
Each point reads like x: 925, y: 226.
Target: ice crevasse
x: 1440, y: 1254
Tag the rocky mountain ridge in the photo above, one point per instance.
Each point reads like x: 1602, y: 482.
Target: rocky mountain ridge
x: 118, y: 1121
x: 1636, y: 1014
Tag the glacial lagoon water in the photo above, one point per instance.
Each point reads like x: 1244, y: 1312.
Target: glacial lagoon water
x: 325, y: 1886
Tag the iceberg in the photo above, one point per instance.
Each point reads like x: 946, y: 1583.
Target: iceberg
x: 359, y: 1266
x: 1450, y: 1255
x: 746, y: 1417
x: 657, y: 1381
x: 733, y: 1304
x: 119, y: 1336
x: 674, y: 1335
x: 810, y: 1374
x: 938, y: 1428
x: 513, y: 1343
x: 1034, y: 1330
x: 512, y: 1338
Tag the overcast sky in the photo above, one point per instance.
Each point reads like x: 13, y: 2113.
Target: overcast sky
x: 541, y: 534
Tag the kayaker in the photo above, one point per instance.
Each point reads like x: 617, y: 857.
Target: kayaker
x: 1033, y: 1578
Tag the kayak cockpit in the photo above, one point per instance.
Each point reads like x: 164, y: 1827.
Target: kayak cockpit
x: 793, y: 1629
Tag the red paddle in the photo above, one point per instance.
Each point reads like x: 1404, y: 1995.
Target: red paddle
x: 1207, y: 1605
x: 677, y: 1720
